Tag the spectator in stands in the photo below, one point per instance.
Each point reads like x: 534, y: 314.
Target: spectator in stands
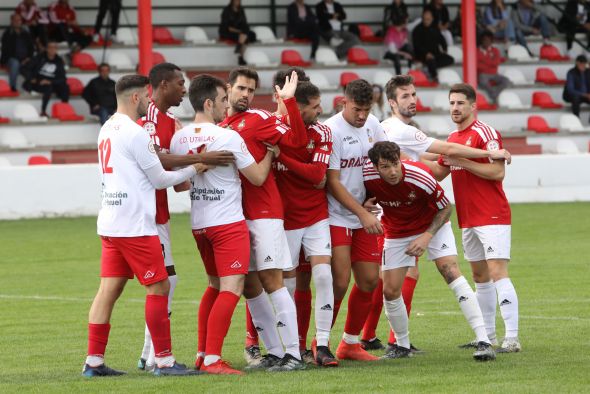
x: 577, y: 87
x: 429, y: 45
x: 440, y: 14
x: 114, y: 8
x: 397, y: 45
x: 498, y: 21
x: 575, y: 19
x: 302, y: 23
x: 48, y: 75
x: 234, y: 26
x: 488, y: 60
x: 100, y: 94
x: 529, y: 20
x: 35, y: 20
x: 480, y: 25
x: 379, y: 109
x: 331, y: 16
x: 17, y: 49
x: 65, y: 27
x: 395, y: 14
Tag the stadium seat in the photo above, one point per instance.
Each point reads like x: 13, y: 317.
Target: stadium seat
x: 4, y: 120
x: 158, y: 58
x: 299, y: 40
x: 291, y: 57
x: 13, y: 138
x: 64, y: 112
x: 76, y: 86
x: 4, y: 162
x: 571, y: 123
x: 519, y: 54
x: 544, y: 100
x: 120, y: 60
x: 448, y: 76
x: 547, y: 76
x: 456, y: 52
x: 510, y: 100
x: 515, y: 76
x: 422, y: 108
x: 126, y: 36
x: 439, y: 126
x: 538, y: 124
x: 381, y: 77
x: 257, y: 58
x: 319, y: 79
x: 566, y: 146
x: 163, y: 36
x: 36, y: 160
x: 196, y: 35
x: 441, y: 101
x: 367, y: 35
x: 25, y: 112
x: 359, y: 56
x: 265, y: 35
x: 420, y: 79
x: 551, y: 53
x: 5, y: 90
x: 336, y: 101
x: 183, y: 111
x: 483, y: 104
x: 347, y: 77
x: 327, y: 57
x: 83, y: 61
x: 101, y: 42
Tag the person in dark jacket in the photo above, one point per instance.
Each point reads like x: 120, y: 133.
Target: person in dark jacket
x: 100, y: 94
x: 114, y: 8
x: 577, y: 87
x: 302, y: 23
x: 440, y: 15
x: 428, y: 42
x: 48, y: 76
x: 575, y: 19
x: 17, y: 49
x: 395, y: 14
x: 331, y: 16
x: 234, y: 26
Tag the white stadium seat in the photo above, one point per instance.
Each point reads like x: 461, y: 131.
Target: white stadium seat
x: 120, y: 61
x: 25, y: 112
x: 328, y: 57
x: 4, y: 162
x: 565, y: 146
x: 265, y: 35
x: 13, y: 138
x: 319, y: 79
x: 448, y: 76
x: 258, y: 58
x: 184, y: 110
x: 571, y: 123
x: 441, y: 101
x: 381, y: 77
x: 196, y: 35
x: 510, y: 100
x: 515, y: 76
x: 456, y: 52
x: 126, y: 36
x: 519, y: 54
x: 439, y: 126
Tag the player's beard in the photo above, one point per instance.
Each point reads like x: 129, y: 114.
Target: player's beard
x: 142, y: 109
x: 459, y: 118
x: 407, y: 112
x: 240, y: 106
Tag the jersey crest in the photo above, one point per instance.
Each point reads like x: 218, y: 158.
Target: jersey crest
x: 242, y: 124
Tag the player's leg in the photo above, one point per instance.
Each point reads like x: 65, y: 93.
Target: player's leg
x: 408, y: 287
x: 341, y: 265
x: 303, y: 298
x: 369, y: 340
x: 290, y: 281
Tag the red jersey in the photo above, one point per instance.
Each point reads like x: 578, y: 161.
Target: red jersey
x: 409, y: 206
x: 257, y: 126
x: 61, y: 13
x: 479, y: 202
x: 30, y: 14
x: 161, y: 127
x: 297, y: 171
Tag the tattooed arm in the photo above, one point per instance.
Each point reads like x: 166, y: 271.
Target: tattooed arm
x: 419, y: 245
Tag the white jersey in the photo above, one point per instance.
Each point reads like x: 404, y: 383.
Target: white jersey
x: 216, y: 194
x: 411, y: 141
x: 128, y: 198
x: 350, y: 146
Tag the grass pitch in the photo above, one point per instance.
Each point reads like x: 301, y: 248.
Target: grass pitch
x: 50, y: 274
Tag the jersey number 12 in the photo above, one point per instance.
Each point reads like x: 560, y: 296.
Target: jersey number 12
x: 105, y: 156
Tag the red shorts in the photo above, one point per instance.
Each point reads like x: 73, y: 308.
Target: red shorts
x: 304, y: 266
x: 225, y: 249
x: 122, y: 257
x: 364, y: 246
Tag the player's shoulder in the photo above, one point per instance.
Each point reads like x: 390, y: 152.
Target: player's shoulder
x: 419, y: 174
x: 373, y: 123
x: 323, y: 131
x: 486, y: 132
x: 369, y: 172
x: 259, y: 114
x: 335, y: 123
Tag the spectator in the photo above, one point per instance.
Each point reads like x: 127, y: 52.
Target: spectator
x: 100, y: 94
x: 330, y: 17
x: 35, y: 20
x: 577, y: 87
x: 379, y: 109
x: 498, y: 21
x: 302, y: 23
x: 65, y: 27
x: 429, y: 45
x: 48, y: 76
x: 440, y: 15
x: 395, y: 14
x: 397, y: 45
x: 528, y: 20
x: 575, y: 19
x: 234, y: 26
x: 488, y: 60
x: 480, y: 25
x: 114, y: 8
x: 17, y: 49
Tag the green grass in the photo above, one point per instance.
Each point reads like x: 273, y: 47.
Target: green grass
x: 49, y: 273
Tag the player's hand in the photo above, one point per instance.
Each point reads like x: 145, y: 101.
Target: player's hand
x: 322, y: 184
x: 276, y: 151
x: 217, y: 158
x: 201, y: 168
x: 419, y: 245
x: 371, y: 224
x: 449, y: 161
x: 371, y: 206
x: 501, y: 154
x: 288, y: 89
x: 182, y: 187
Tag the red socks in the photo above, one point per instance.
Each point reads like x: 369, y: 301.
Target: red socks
x: 407, y: 293
x: 156, y: 318
x: 337, y: 304
x: 98, y: 336
x: 251, y: 333
x: 219, y: 321
x: 359, y: 304
x: 205, y: 306
x: 374, y: 314
x: 303, y: 305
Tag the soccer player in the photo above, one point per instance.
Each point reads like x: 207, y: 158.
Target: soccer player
x: 263, y: 210
x: 130, y: 174
x: 416, y: 218
x: 353, y: 230
x: 217, y: 218
x: 484, y: 216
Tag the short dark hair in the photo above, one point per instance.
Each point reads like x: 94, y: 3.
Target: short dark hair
x: 484, y: 34
x: 306, y: 91
x: 396, y: 82
x: 385, y: 150
x: 279, y: 77
x: 359, y: 91
x: 243, y: 71
x: 103, y: 64
x: 581, y: 59
x: 130, y: 81
x: 162, y: 72
x: 466, y: 89
x: 203, y: 87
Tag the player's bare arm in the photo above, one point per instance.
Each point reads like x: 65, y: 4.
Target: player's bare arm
x: 439, y: 172
x: 221, y: 158
x: 494, y: 171
x: 419, y: 245
x: 256, y: 173
x: 371, y: 206
x: 452, y: 149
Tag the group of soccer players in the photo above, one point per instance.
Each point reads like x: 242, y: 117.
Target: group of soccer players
x: 280, y: 199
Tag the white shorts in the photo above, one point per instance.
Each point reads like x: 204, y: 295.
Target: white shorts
x: 487, y: 242
x: 269, y: 248
x: 441, y: 245
x: 164, y: 235
x: 315, y: 240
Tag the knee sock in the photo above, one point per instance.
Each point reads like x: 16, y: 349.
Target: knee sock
x: 158, y: 322
x: 508, y: 301
x: 218, y: 324
x: 98, y: 337
x: 370, y: 327
x: 264, y: 319
x: 486, y: 297
x: 251, y: 333
x: 207, y: 302
x: 359, y: 303
x: 470, y: 307
x: 303, y: 305
x: 147, y: 344
x: 407, y: 294
x: 286, y: 320
x: 324, y: 302
x: 396, y: 313
x: 290, y: 284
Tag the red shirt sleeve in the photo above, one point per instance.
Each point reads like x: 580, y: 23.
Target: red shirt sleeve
x: 313, y: 172
x: 296, y: 135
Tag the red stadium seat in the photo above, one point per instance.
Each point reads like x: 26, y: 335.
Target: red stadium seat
x: 550, y: 52
x: 83, y: 61
x: 292, y: 58
x: 359, y: 56
x: 299, y: 40
x: 544, y: 100
x: 64, y: 112
x: 538, y: 124
x: 101, y: 41
x: 4, y: 120
x: 163, y: 36
x: 76, y: 86
x: 547, y: 76
x: 421, y: 80
x: 347, y: 77
x: 38, y: 160
x: 367, y: 34
x: 483, y: 104
x: 158, y: 58
x: 5, y: 90
x: 337, y: 101
x: 422, y: 108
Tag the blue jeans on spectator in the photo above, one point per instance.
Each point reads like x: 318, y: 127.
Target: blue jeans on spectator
x: 507, y: 33
x: 540, y: 23
x: 13, y: 66
x: 103, y: 114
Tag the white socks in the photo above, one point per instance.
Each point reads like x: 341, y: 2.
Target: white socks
x: 286, y: 320
x: 164, y: 362
x: 263, y: 317
x: 486, y: 297
x: 350, y: 339
x: 94, y: 361
x: 210, y: 359
x: 468, y: 303
x: 290, y: 284
x: 397, y: 315
x: 324, y: 302
x: 508, y: 301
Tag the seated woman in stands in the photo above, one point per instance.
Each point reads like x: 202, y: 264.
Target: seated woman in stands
x: 234, y: 26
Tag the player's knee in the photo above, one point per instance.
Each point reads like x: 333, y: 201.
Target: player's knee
x: 390, y: 293
x: 449, y: 270
x: 159, y: 288
x: 323, y: 279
